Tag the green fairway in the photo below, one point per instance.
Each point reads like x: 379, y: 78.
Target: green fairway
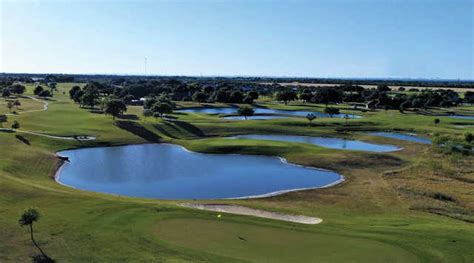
x: 267, y: 244
x: 393, y: 207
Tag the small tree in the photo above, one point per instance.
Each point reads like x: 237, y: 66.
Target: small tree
x: 331, y: 111
x: 17, y: 104
x: 436, y: 121
x: 147, y: 113
x: 246, y: 111
x: 159, y: 109
x: 15, y: 125
x: 149, y: 102
x: 18, y: 89
x: 3, y: 118
x: 90, y: 97
x: 310, y: 117
x: 286, y: 96
x: 200, y: 96
x: 38, y: 90
x: 73, y: 91
x: 236, y: 97
x: 469, y: 137
x: 383, y: 88
x: 346, y: 117
x: 115, y: 107
x: 253, y: 94
x: 45, y: 93
x: 248, y: 100
x: 6, y: 93
x: 77, y: 97
x: 127, y: 99
x: 10, y: 105
x: 404, y: 105
x: 28, y: 217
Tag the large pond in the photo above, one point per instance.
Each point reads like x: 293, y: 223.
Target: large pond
x: 169, y: 171
x: 329, y: 142
x: 264, y: 111
x: 403, y: 137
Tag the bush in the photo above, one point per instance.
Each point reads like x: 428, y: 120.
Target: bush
x: 468, y: 137
x: 45, y: 93
x: 246, y: 111
x: 3, y: 118
x: 38, y: 90
x: 331, y: 111
x: 15, y: 125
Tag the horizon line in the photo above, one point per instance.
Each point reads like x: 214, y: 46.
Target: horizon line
x: 242, y: 76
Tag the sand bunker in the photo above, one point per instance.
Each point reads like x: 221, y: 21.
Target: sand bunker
x: 242, y: 210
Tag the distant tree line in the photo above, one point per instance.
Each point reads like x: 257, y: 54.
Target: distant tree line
x: 137, y: 92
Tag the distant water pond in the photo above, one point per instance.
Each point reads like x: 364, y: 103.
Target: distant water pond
x: 169, y: 171
x: 255, y: 117
x: 277, y: 113
x: 402, y: 136
x: 460, y: 117
x: 333, y: 143
x: 210, y: 110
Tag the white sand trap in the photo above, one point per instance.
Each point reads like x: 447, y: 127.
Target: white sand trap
x: 242, y: 210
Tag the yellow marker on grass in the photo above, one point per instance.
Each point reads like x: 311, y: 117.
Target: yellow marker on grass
x: 219, y: 215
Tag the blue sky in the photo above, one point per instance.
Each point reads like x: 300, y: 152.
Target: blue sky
x: 341, y: 38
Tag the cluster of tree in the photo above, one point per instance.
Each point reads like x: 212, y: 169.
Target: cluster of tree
x: 323, y: 95
x: 132, y: 92
x: 94, y: 94
x: 225, y: 95
x: 13, y: 103
x: 88, y: 96
x: 158, y: 106
x: 58, y: 78
x: 9, y: 90
x: 390, y: 82
x: 113, y: 106
x: 122, y: 79
x: 469, y: 97
x: 381, y: 97
x: 428, y: 98
x: 227, y: 91
x: 451, y: 144
x: 42, y: 92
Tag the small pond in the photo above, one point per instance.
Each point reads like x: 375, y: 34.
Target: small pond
x: 402, y: 136
x: 460, y: 117
x: 333, y: 143
x: 210, y: 110
x: 168, y: 171
x: 277, y: 113
x: 255, y: 117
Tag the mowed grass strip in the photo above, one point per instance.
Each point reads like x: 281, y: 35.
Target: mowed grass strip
x: 268, y: 244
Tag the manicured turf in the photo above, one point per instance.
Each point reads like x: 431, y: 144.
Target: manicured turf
x: 390, y: 203
x: 249, y: 242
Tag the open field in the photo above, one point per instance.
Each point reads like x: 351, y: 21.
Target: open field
x: 365, y: 86
x: 392, y: 208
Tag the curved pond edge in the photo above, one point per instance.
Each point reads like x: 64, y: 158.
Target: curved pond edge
x: 64, y: 160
